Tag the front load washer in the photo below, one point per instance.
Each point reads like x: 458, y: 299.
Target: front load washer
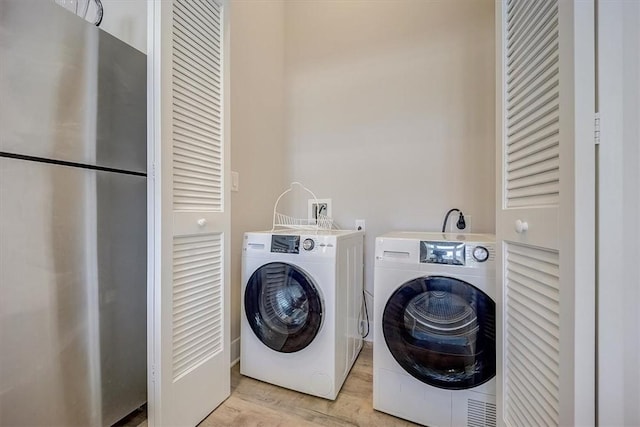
x: 302, y: 297
x: 434, y: 354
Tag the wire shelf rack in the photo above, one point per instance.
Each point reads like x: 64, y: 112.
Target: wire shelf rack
x: 282, y: 221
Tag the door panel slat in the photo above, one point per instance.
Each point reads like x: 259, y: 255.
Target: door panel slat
x: 532, y: 176
x: 195, y: 255
x: 532, y: 334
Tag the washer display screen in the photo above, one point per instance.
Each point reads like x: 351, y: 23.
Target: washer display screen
x: 441, y: 330
x: 285, y: 244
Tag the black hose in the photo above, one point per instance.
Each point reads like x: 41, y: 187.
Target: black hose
x: 366, y: 313
x: 99, y: 13
x: 446, y: 217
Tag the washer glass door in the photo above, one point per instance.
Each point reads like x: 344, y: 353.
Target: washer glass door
x: 283, y: 307
x: 441, y: 330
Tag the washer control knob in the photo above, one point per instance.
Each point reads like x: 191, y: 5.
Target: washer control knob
x: 308, y: 244
x: 480, y: 253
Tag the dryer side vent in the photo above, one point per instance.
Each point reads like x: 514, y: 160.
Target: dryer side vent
x: 480, y: 414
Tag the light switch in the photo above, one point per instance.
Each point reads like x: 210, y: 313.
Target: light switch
x: 235, y: 181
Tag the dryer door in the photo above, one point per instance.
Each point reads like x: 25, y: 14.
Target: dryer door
x: 283, y: 307
x: 441, y: 330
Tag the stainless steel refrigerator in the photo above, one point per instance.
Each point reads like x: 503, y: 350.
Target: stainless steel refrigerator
x: 72, y: 220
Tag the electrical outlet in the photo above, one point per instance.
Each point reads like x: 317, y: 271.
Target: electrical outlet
x: 453, y: 219
x: 360, y: 224
x: 319, y: 207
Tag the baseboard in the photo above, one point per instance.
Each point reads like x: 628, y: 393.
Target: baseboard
x: 235, y: 351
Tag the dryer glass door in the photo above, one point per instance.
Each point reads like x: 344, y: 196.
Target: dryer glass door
x: 283, y: 307
x: 441, y: 330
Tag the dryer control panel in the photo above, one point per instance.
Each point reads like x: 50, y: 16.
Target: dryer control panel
x: 437, y: 250
x: 453, y: 253
x: 441, y: 252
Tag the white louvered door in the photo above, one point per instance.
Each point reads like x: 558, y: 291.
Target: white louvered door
x: 189, y: 346
x: 545, y: 215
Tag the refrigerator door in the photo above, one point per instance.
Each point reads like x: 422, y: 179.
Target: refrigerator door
x: 72, y: 294
x: 68, y: 90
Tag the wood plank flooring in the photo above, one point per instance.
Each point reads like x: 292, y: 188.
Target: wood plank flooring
x: 257, y: 404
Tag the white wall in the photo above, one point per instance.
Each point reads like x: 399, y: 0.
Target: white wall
x: 390, y: 111
x: 126, y: 20
x: 619, y: 213
x: 257, y: 128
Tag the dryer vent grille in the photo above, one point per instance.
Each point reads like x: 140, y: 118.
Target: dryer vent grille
x: 480, y: 414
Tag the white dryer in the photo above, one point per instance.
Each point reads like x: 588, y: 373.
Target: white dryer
x: 302, y: 297
x: 434, y: 357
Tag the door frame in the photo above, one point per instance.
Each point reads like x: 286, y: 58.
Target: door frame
x: 154, y: 250
x: 618, y: 340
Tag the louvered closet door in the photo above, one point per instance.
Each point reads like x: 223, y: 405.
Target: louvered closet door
x: 545, y: 213
x: 191, y: 308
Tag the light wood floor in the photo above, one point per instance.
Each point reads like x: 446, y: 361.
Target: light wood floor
x: 257, y: 404
x: 254, y: 403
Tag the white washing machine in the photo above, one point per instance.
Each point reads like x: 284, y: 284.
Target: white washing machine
x: 302, y: 297
x: 434, y: 357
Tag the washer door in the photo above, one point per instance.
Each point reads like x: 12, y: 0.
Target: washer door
x: 283, y: 307
x: 441, y: 330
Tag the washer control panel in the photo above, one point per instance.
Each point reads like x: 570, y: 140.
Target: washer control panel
x: 291, y: 244
x: 316, y: 244
x: 285, y: 244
